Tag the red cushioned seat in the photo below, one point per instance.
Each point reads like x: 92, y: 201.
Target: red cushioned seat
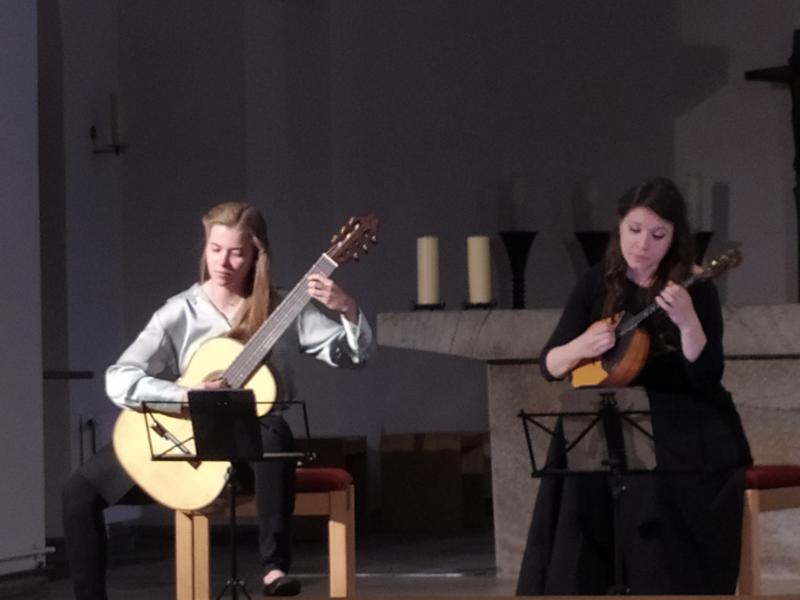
x: 322, y: 479
x: 769, y: 477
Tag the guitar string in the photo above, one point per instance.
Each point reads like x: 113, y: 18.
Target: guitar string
x: 286, y: 317
x: 716, y: 268
x: 265, y: 337
x: 632, y: 323
x: 246, y: 361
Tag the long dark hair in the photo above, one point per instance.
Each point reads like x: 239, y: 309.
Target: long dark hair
x: 663, y: 197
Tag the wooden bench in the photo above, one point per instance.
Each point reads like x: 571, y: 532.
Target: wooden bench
x: 320, y: 491
x: 767, y: 488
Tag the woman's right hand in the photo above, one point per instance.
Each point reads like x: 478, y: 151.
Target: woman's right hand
x: 211, y: 384
x: 598, y: 337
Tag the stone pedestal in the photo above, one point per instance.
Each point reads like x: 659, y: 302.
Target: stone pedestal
x: 762, y: 371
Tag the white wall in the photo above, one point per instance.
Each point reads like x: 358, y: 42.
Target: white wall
x: 81, y: 227
x: 739, y: 139
x: 21, y: 448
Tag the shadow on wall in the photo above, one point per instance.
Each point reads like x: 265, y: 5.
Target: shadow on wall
x: 720, y: 227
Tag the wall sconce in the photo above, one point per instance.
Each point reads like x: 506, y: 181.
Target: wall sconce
x: 116, y: 146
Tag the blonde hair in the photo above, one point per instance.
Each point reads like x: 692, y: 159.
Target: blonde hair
x: 256, y: 306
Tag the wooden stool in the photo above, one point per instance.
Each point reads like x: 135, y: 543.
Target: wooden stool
x: 320, y: 491
x: 767, y: 488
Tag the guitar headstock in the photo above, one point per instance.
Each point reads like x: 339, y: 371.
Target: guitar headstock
x: 353, y: 239
x: 729, y: 259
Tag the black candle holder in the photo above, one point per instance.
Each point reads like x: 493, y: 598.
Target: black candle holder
x: 593, y: 244
x: 417, y: 306
x: 518, y: 244
x: 701, y: 240
x: 106, y: 148
x: 480, y: 305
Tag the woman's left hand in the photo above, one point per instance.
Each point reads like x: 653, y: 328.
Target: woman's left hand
x: 325, y: 290
x: 677, y: 303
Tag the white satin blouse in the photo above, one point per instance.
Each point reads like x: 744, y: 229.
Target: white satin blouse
x: 148, y: 369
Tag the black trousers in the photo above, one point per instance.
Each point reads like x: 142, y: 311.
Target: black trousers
x: 101, y: 482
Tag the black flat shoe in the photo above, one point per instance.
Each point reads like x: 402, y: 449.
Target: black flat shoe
x: 283, y: 586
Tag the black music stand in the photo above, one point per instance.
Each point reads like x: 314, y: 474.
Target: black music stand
x: 226, y: 427
x: 605, y: 430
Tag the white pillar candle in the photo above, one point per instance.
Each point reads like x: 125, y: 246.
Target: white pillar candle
x: 428, y: 270
x: 479, y: 270
x: 694, y: 202
x: 116, y: 127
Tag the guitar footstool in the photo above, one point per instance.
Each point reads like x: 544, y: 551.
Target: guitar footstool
x: 320, y: 492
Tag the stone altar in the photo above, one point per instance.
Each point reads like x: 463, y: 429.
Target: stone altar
x: 762, y: 345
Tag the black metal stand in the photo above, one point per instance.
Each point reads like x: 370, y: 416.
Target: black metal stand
x: 617, y: 489
x: 617, y: 464
x: 611, y: 419
x: 225, y: 427
x: 612, y: 431
x: 234, y: 584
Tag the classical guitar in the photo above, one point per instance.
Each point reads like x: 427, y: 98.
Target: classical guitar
x: 150, y: 445
x: 621, y: 364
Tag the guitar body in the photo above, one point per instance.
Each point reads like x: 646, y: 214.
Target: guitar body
x: 618, y: 366
x: 182, y: 484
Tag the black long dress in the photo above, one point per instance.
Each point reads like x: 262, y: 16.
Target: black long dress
x: 680, y: 532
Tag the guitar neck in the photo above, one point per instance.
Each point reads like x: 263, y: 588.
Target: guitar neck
x: 633, y: 322
x: 262, y: 341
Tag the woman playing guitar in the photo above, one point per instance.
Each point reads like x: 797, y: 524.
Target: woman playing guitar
x: 233, y: 298
x: 682, y: 534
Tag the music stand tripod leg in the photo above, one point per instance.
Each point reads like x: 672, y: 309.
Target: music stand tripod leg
x: 617, y: 463
x: 617, y: 489
x: 234, y: 583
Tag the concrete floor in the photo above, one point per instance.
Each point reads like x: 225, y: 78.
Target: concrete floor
x: 389, y: 565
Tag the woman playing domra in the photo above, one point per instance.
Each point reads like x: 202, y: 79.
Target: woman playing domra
x: 680, y: 530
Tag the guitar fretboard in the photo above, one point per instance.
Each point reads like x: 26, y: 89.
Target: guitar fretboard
x: 633, y: 322
x: 274, y: 326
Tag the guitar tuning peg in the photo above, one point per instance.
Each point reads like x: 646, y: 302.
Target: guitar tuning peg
x: 351, y: 220
x: 343, y: 229
x: 365, y: 248
x: 374, y: 239
x: 356, y: 257
x: 334, y: 239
